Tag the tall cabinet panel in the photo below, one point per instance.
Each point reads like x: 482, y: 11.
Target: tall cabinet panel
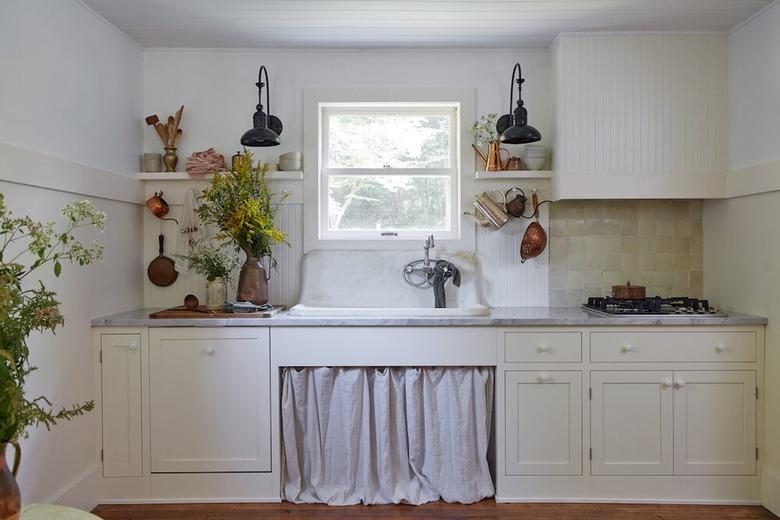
x: 120, y: 384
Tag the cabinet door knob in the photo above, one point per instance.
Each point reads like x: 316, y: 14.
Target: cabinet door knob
x: 626, y: 348
x: 543, y: 348
x: 720, y: 348
x: 211, y: 351
x: 133, y: 346
x: 544, y: 378
x: 680, y: 383
x: 666, y: 383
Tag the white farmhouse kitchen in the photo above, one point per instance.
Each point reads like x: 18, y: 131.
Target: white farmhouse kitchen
x: 426, y: 259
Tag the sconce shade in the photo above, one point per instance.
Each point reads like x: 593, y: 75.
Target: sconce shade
x: 514, y: 128
x: 266, y: 128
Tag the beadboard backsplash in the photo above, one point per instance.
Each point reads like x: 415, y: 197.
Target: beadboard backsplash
x: 592, y: 245
x: 507, y: 281
x: 597, y: 244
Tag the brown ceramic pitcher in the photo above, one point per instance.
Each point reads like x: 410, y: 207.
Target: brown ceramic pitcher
x: 10, y: 498
x: 252, y: 281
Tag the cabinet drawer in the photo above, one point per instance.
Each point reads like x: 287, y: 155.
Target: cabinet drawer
x: 542, y: 347
x: 702, y: 347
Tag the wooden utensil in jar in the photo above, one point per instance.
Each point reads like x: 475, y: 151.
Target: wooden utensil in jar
x: 629, y: 292
x: 535, y: 237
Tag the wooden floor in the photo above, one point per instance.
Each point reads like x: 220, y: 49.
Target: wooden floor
x: 486, y: 510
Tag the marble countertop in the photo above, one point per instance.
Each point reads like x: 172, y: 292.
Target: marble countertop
x: 499, y: 316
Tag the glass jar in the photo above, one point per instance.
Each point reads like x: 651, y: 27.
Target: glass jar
x: 216, y: 293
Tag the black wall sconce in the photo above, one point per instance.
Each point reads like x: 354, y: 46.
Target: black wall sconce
x: 513, y: 127
x: 266, y: 128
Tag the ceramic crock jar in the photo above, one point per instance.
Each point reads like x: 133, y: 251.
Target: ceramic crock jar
x: 10, y: 498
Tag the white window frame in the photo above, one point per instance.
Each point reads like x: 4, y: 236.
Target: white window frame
x: 452, y: 173
x: 463, y: 232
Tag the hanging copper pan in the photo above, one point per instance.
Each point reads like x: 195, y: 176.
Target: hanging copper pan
x: 535, y: 237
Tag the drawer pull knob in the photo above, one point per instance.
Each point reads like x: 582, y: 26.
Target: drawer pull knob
x: 626, y: 348
x: 133, y: 346
x: 720, y: 348
x: 211, y: 351
x: 544, y: 378
x: 543, y: 348
x: 666, y: 383
x: 680, y: 383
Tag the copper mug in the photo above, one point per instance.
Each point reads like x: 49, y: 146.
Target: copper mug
x: 157, y: 205
x: 513, y: 164
x: 489, y: 212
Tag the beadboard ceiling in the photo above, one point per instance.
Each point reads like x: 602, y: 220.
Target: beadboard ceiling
x: 405, y: 23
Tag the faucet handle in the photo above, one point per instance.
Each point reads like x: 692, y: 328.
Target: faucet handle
x: 430, y: 242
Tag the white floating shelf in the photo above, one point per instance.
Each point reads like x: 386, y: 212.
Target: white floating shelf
x: 514, y: 174
x: 184, y: 176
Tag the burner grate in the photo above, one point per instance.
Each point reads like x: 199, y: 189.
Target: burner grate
x: 650, y: 306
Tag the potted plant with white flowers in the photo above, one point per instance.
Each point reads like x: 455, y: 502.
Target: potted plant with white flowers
x: 26, y: 307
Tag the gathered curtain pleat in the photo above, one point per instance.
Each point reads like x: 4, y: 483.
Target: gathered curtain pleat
x: 386, y: 436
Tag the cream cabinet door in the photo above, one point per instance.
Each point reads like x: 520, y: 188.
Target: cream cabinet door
x: 543, y: 422
x: 631, y: 423
x: 120, y: 382
x: 210, y: 400
x: 715, y: 423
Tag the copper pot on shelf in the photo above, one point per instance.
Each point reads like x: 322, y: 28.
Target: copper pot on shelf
x: 629, y: 292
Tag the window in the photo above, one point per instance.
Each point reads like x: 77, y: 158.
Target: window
x: 388, y: 170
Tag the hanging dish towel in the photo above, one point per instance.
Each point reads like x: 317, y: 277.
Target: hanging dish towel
x: 389, y: 436
x: 191, y: 231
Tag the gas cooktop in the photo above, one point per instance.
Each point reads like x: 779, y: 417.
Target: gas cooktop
x: 656, y: 306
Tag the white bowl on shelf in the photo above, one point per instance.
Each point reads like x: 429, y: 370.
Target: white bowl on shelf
x: 536, y: 163
x: 286, y: 165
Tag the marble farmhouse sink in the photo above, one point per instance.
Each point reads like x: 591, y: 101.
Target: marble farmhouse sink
x: 370, y: 283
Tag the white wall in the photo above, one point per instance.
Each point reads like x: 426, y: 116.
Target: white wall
x: 218, y: 91
x: 741, y: 236
x: 70, y: 88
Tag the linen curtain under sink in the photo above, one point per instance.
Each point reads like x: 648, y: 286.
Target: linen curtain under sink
x: 386, y: 436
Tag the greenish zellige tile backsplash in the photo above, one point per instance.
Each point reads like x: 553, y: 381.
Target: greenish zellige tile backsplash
x: 595, y: 244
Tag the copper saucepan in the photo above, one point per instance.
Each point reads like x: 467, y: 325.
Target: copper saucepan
x: 628, y: 292
x: 535, y: 237
x: 157, y: 205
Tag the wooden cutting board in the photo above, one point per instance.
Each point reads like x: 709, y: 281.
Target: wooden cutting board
x: 182, y: 312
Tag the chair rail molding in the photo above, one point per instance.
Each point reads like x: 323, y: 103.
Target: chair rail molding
x: 20, y: 166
